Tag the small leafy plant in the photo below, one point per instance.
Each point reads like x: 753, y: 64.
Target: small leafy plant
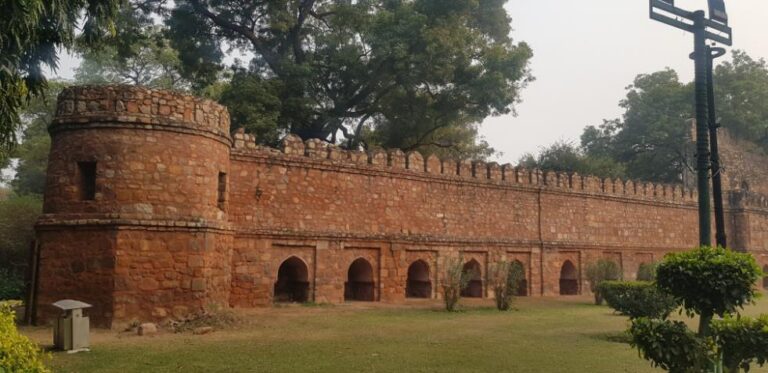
x: 602, y: 270
x: 505, y: 279
x: 456, y: 279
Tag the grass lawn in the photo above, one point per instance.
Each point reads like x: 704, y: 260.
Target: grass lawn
x: 542, y: 335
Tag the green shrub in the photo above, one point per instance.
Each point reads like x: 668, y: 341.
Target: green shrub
x: 670, y: 345
x: 505, y: 278
x: 647, y: 272
x: 706, y: 282
x: 17, y: 230
x: 17, y: 352
x: 456, y: 279
x: 709, y: 281
x: 602, y: 270
x: 638, y: 299
x: 515, y: 277
x: 11, y: 285
x: 743, y: 341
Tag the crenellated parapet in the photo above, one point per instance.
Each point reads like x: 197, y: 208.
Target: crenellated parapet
x: 395, y: 160
x: 746, y: 199
x: 121, y: 105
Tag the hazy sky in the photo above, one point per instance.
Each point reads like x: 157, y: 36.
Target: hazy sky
x: 585, y: 54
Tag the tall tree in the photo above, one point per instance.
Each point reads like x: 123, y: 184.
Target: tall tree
x: 651, y: 140
x: 32, y: 153
x: 398, y: 73
x: 566, y: 157
x: 741, y: 89
x: 139, y: 54
x: 31, y: 32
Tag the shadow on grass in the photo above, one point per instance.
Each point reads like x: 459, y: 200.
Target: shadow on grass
x: 615, y: 337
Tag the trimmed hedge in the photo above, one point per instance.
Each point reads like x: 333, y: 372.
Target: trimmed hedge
x: 638, y: 299
x: 742, y: 340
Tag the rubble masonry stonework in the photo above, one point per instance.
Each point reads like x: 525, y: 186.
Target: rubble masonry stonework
x: 186, y: 216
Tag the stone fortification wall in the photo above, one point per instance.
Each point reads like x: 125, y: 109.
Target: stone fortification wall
x: 182, y: 216
x: 391, y: 194
x: 745, y: 165
x: 311, y: 200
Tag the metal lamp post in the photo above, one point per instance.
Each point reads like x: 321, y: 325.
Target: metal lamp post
x: 715, y: 29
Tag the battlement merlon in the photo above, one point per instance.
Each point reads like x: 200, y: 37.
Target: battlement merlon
x: 394, y: 160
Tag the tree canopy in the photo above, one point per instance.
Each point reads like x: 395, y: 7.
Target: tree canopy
x: 564, y: 156
x: 653, y: 138
x: 410, y: 74
x: 31, y: 33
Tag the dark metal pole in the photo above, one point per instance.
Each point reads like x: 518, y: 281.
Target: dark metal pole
x: 717, y: 186
x: 702, y: 134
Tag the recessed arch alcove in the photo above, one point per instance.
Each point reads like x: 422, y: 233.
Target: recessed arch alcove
x: 360, y: 285
x: 569, y: 279
x: 292, y: 283
x: 474, y: 287
x: 418, y: 283
x: 522, y: 289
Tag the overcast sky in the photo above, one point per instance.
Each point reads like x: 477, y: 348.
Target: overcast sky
x: 585, y: 54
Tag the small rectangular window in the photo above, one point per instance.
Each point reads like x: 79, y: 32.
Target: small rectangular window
x: 87, y: 171
x: 222, y: 190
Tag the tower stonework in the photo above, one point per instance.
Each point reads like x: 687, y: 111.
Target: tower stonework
x: 133, y: 222
x: 152, y: 211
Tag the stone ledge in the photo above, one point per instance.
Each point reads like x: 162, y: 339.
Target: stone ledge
x: 428, y: 240
x: 50, y: 222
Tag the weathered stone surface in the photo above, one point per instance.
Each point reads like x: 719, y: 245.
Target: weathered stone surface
x: 202, y: 330
x: 147, y: 329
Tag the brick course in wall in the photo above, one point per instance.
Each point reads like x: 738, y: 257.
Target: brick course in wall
x: 185, y: 216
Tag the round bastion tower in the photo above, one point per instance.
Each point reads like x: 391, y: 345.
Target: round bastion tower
x: 135, y: 211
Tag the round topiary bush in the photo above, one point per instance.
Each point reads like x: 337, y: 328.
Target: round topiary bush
x: 709, y: 281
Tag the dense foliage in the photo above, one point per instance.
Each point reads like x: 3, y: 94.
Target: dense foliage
x: 709, y: 281
x: 20, y: 208
x: 638, y: 299
x: 31, y: 34
x: 602, y: 270
x: 653, y: 138
x: 505, y: 279
x: 11, y: 285
x: 407, y: 74
x: 646, y: 272
x: 17, y: 352
x: 17, y: 220
x: 743, y: 341
x: 670, y: 345
x: 706, y: 282
x: 455, y: 280
x: 566, y: 157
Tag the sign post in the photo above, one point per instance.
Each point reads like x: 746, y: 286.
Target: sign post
x: 703, y: 29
